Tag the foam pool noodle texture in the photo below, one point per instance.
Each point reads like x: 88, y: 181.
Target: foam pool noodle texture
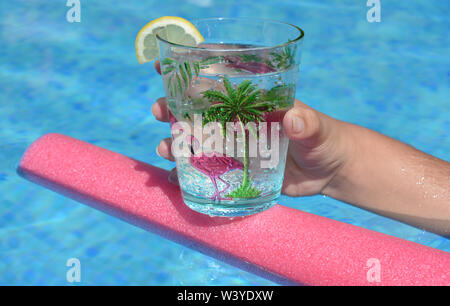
x: 283, y: 244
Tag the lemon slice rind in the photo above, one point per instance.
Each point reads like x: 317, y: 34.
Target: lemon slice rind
x: 175, y: 29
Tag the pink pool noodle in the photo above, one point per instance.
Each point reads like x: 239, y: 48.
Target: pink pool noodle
x: 283, y: 244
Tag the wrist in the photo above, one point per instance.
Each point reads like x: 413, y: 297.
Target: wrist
x: 348, y: 153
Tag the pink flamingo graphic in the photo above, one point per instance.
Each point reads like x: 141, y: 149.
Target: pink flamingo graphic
x: 213, y: 165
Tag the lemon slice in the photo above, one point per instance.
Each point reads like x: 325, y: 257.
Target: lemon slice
x: 173, y: 29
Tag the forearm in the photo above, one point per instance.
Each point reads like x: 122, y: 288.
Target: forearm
x: 393, y: 179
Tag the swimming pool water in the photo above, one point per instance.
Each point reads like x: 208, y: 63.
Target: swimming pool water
x: 83, y: 80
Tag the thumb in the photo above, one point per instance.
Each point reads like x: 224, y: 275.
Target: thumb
x: 305, y: 126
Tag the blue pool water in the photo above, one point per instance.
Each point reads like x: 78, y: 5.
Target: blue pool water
x: 83, y: 80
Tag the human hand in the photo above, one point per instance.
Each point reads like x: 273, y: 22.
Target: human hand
x: 316, y: 152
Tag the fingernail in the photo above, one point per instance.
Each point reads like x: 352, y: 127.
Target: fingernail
x: 297, y: 124
x: 157, y: 152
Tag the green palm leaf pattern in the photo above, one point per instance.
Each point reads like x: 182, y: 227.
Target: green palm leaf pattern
x: 185, y: 71
x: 284, y: 59
x: 280, y: 95
x: 182, y: 74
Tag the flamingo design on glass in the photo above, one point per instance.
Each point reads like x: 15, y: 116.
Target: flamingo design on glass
x: 213, y: 165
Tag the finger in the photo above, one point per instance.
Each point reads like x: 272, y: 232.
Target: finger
x: 157, y: 66
x: 306, y: 126
x: 160, y: 110
x: 164, y: 149
x: 173, y: 177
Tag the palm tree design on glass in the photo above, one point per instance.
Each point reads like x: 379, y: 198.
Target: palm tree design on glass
x: 241, y: 104
x: 284, y: 59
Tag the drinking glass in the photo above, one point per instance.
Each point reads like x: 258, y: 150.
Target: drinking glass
x: 227, y: 98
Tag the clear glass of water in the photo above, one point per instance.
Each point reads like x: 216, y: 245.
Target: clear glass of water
x: 227, y: 98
